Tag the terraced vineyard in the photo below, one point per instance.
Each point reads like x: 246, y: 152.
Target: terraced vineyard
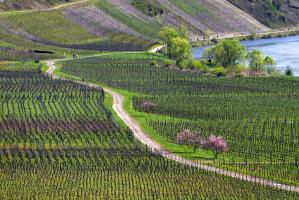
x: 58, y: 140
x: 111, y: 26
x: 72, y: 29
x: 39, y: 23
x: 146, y: 28
x: 257, y: 116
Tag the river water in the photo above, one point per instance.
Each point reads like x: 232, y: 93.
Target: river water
x: 284, y: 50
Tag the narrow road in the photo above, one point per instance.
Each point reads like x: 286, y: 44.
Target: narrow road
x: 156, y: 49
x: 118, y: 101
x: 45, y: 9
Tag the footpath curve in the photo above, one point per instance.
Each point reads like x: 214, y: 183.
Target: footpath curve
x: 46, y: 9
x: 118, y: 101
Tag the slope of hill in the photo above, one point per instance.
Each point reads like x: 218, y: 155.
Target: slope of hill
x: 114, y: 25
x: 273, y: 13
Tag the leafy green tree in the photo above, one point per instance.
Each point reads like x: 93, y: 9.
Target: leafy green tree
x: 183, y: 31
x: 227, y: 53
x: 209, y: 55
x: 256, y: 60
x: 270, y: 64
x: 166, y: 34
x: 181, y: 50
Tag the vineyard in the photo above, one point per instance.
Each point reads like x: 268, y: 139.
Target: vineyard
x: 58, y: 140
x: 102, y: 25
x: 39, y: 24
x: 88, y: 112
x: 19, y: 45
x: 258, y: 117
x: 73, y: 30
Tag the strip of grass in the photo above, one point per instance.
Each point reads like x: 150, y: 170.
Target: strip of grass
x: 150, y: 28
x: 192, y: 7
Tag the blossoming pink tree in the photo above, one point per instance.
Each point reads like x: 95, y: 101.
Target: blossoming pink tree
x: 217, y: 144
x: 188, y: 138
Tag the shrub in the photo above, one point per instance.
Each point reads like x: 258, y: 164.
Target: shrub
x: 148, y: 7
x: 168, y: 63
x: 154, y: 63
x: 148, y: 106
x: 197, y: 64
x: 289, y: 71
x: 237, y: 69
x: 183, y: 63
x: 218, y: 71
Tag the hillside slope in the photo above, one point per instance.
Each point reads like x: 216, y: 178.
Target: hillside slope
x: 273, y: 13
x: 114, y: 25
x: 217, y: 15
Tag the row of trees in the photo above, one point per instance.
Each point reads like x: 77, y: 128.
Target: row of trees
x: 232, y: 54
x: 258, y: 62
x: 215, y: 143
x: 226, y: 54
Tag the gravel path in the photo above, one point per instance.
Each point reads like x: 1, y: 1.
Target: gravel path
x: 118, y: 101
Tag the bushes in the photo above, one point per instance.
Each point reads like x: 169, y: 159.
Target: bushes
x: 149, y: 7
x: 289, y: 71
x: 197, y: 64
x: 147, y: 106
x: 218, y: 71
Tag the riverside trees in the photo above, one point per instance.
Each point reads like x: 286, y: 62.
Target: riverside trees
x: 226, y: 53
x: 177, y: 45
x: 231, y: 54
x: 258, y: 62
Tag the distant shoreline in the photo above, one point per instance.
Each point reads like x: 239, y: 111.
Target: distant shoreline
x: 246, y: 37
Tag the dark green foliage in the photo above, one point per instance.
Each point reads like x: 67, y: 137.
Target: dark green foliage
x: 149, y: 7
x: 289, y: 71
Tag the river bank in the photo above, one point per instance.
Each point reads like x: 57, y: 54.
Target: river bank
x: 284, y: 50
x: 243, y: 36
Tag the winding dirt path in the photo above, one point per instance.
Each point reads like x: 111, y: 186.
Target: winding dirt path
x: 118, y: 101
x: 46, y: 9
